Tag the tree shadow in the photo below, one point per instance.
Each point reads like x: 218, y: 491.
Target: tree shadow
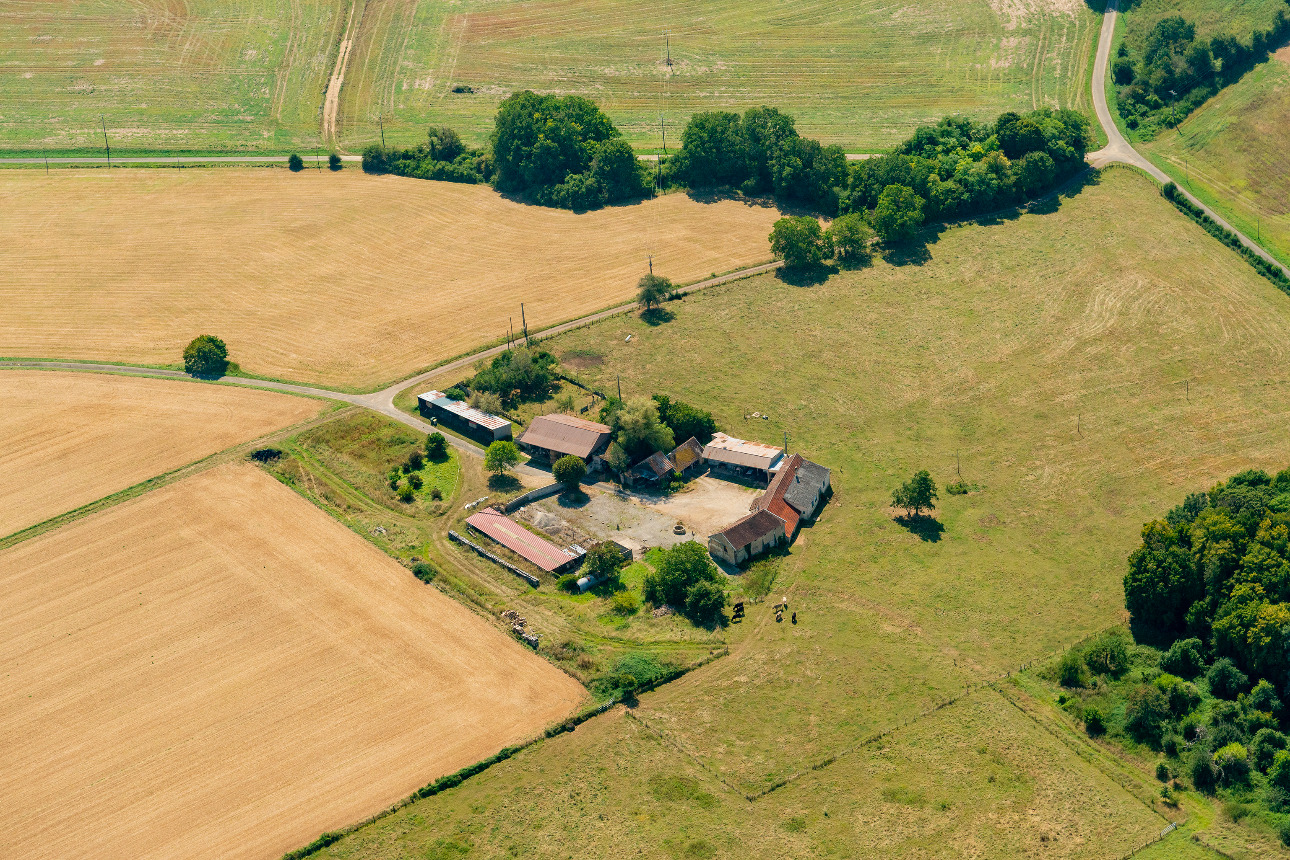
x: 927, y: 528
x: 806, y: 276
x: 572, y: 499
x: 504, y: 483
x: 657, y: 316
x: 912, y: 253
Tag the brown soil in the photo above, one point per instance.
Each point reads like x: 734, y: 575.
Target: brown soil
x: 218, y: 669
x: 72, y: 438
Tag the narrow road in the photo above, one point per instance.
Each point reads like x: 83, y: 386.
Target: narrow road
x: 1119, y: 150
x: 380, y: 401
x: 170, y: 159
x: 331, y: 101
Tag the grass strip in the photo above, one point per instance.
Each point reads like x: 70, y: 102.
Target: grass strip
x: 1271, y: 271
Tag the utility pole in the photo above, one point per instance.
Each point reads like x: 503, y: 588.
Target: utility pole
x: 380, y: 120
x: 1189, y: 391
x: 105, y: 143
x: 510, y: 331
x: 667, y: 43
x: 785, y: 443
x: 664, y: 130
x: 318, y: 158
x: 620, y: 388
x: 525, y: 324
x: 1078, y: 416
x: 46, y: 163
x: 651, y: 263
x: 958, y: 466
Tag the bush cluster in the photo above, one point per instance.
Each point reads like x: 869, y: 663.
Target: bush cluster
x: 1175, y: 72
x: 443, y: 157
x: 687, y: 580
x: 516, y: 376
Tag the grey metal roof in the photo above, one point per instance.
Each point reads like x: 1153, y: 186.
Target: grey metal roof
x: 463, y: 410
x: 808, y: 482
x: 738, y: 452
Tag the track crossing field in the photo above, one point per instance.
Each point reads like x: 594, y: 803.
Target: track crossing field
x: 219, y: 670
x: 341, y: 279
x: 73, y: 438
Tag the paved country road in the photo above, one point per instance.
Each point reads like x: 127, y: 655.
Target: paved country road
x: 175, y: 159
x: 1120, y: 150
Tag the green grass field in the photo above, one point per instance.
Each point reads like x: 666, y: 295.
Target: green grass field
x: 170, y: 76
x: 1086, y: 368
x: 251, y: 75
x: 1238, y: 18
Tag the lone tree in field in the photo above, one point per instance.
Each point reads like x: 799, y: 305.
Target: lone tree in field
x: 915, y: 494
x: 653, y: 291
x: 206, y: 356
x: 899, y: 214
x: 570, y: 471
x: 333, y: 162
x: 295, y: 163
x: 799, y: 242
x: 501, y: 456
x: 849, y: 235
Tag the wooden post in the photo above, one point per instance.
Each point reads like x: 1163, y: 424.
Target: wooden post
x: 105, y: 142
x: 525, y: 323
x: 620, y: 388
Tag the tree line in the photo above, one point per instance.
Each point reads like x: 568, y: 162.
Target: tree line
x: 1175, y: 71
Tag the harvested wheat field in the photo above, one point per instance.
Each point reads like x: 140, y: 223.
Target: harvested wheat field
x: 218, y: 669
x: 72, y: 438
x: 335, y: 278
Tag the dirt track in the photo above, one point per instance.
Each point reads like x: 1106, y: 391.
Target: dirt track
x: 217, y: 669
x: 72, y: 438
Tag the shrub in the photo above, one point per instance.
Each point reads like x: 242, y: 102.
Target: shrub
x: 455, y: 393
x: 568, y: 582
x: 704, y: 602
x: 1173, y: 745
x: 424, y: 572
x: 1264, y: 698
x: 405, y: 493
x: 437, y: 447
x: 625, y: 602
x: 1232, y: 763
x: 415, y: 482
x: 1162, y: 771
x: 334, y: 162
x: 1107, y: 654
x: 206, y: 355
x: 1200, y: 769
x: 569, y: 470
x: 1284, y: 832
x: 1182, y: 696
x: 1071, y: 671
x: 1094, y: 722
x: 680, y: 568
x: 1279, y: 772
x: 1265, y: 746
x: 266, y: 455
x: 1183, y: 659
x: 644, y: 669
x: 375, y: 159
x: 436, y: 494
x: 415, y: 461
x: 603, y: 561
x: 1146, y: 711
x: 1225, y: 680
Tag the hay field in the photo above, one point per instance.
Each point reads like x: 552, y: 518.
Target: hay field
x: 166, y: 75
x: 73, y: 438
x: 217, y: 669
x: 340, y: 279
x: 1234, y: 153
x: 861, y: 74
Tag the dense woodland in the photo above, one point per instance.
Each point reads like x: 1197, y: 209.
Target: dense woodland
x: 1207, y: 681
x: 1175, y: 72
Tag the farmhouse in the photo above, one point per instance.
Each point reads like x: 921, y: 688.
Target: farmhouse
x: 737, y: 458
x: 463, y: 418
x: 523, y: 542
x: 795, y: 492
x: 749, y: 537
x: 550, y: 437
x: 687, y: 458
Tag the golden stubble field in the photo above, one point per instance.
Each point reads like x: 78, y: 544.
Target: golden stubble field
x: 72, y: 438
x: 218, y: 669
x: 340, y: 278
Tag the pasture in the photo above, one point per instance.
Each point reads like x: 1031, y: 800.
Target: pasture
x: 1085, y: 365
x: 198, y: 75
x: 73, y: 438
x: 862, y: 75
x: 1234, y: 153
x: 218, y: 669
x: 342, y: 279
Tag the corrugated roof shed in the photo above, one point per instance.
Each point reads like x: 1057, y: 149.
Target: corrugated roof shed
x: 516, y: 538
x: 686, y: 454
x: 656, y: 464
x: 756, y: 525
x: 738, y: 452
x: 565, y: 434
x: 456, y: 407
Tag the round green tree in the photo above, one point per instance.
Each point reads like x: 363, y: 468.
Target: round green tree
x: 849, y: 235
x: 437, y: 447
x: 899, y: 214
x: 653, y: 291
x: 501, y: 456
x: 206, y: 355
x: 295, y: 163
x: 569, y: 470
x: 799, y: 242
x: 915, y: 494
x: 333, y: 162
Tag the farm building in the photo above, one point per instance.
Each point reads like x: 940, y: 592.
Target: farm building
x: 735, y: 457
x: 747, y: 538
x: 550, y: 437
x: 523, y: 542
x: 795, y: 492
x: 463, y: 418
x: 687, y: 457
x: 653, y: 469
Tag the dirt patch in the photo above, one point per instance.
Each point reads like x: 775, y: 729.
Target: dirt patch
x: 582, y: 359
x: 73, y: 438
x: 1282, y: 54
x: 219, y: 669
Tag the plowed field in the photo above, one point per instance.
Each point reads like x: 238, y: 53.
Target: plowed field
x: 219, y: 670
x: 72, y: 438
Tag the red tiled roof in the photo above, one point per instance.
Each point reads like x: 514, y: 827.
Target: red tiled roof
x: 773, y: 499
x: 756, y: 525
x: 516, y: 538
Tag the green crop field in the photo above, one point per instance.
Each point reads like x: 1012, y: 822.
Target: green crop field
x: 195, y: 75
x: 252, y: 75
x: 1085, y: 366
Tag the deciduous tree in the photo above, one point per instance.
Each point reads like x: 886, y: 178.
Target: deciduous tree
x: 917, y: 493
x: 501, y: 456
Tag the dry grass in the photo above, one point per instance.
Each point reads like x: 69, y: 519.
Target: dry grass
x: 341, y: 279
x: 218, y: 669
x: 72, y: 438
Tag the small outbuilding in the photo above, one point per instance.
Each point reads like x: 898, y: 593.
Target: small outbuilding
x: 654, y: 469
x: 550, y: 437
x: 748, y: 538
x: 753, y: 461
x: 463, y: 418
x: 687, y: 458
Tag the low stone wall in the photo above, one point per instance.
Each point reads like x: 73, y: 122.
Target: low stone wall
x: 533, y: 495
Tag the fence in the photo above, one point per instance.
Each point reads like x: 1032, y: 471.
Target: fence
x: 524, y: 575
x: 532, y: 496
